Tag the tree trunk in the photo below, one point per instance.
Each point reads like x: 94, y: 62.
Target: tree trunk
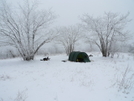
x: 105, y: 53
x: 28, y: 58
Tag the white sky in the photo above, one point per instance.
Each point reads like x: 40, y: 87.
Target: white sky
x: 69, y: 11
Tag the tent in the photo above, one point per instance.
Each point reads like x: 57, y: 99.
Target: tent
x: 77, y: 56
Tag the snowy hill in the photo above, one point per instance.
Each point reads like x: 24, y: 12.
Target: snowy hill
x: 103, y: 79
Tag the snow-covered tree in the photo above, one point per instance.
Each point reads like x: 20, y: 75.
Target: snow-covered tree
x: 106, y: 31
x: 68, y: 36
x: 26, y: 28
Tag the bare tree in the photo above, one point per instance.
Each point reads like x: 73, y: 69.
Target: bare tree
x: 25, y: 28
x: 131, y: 48
x: 68, y: 36
x: 106, y: 31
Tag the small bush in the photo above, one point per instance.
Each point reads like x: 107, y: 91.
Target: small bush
x: 125, y: 80
x: 4, y: 77
x: 21, y: 96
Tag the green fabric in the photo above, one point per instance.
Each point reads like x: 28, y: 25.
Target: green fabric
x: 79, y: 57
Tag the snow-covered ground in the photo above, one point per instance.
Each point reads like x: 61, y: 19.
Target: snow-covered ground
x: 103, y: 79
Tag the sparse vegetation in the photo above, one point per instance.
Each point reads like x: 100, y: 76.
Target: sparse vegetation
x: 21, y: 96
x: 125, y: 80
x: 4, y: 77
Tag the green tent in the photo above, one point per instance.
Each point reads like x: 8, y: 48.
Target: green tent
x: 79, y: 57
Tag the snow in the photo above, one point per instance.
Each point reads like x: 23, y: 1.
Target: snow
x: 54, y: 80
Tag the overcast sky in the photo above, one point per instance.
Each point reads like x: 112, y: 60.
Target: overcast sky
x: 69, y: 11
